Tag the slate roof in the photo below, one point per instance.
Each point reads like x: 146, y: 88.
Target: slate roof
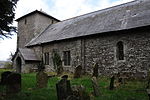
x: 28, y: 54
x: 126, y: 16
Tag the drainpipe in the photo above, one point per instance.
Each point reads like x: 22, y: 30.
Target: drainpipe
x: 83, y: 54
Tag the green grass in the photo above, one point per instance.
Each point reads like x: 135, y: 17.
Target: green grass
x: 132, y: 90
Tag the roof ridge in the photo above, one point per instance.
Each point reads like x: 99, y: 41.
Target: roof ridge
x: 108, y: 8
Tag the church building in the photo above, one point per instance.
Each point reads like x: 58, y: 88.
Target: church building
x: 117, y: 38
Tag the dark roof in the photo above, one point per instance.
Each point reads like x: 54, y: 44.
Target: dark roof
x: 126, y: 16
x: 36, y: 11
x: 28, y: 54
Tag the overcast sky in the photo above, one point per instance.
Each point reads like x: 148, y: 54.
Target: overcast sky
x: 60, y: 9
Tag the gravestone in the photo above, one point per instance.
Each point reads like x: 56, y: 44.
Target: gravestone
x: 111, y: 87
x: 42, y: 79
x: 60, y: 70
x: 13, y: 83
x: 78, y: 71
x: 63, y: 89
x: 65, y: 76
x: 79, y: 93
x: 95, y: 87
x: 95, y: 70
x: 4, y: 76
x: 120, y: 78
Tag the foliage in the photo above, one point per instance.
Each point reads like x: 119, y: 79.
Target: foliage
x: 7, y: 8
x: 56, y: 60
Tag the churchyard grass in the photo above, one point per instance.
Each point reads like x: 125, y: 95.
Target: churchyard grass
x: 132, y: 90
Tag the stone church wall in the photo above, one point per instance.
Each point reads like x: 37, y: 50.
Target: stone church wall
x: 102, y: 49
x: 73, y: 46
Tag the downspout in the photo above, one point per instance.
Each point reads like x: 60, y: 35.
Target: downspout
x: 83, y: 54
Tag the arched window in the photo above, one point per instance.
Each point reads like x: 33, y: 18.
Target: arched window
x: 120, y: 51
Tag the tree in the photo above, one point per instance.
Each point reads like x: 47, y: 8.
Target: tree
x: 7, y: 14
x: 56, y: 60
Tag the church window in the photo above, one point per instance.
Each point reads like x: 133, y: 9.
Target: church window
x: 52, y: 21
x: 120, y: 51
x: 25, y: 21
x: 67, y: 58
x: 46, y: 58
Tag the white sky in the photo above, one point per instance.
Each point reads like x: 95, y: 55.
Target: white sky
x: 60, y: 9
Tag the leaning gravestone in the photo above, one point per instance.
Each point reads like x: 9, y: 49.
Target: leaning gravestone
x: 95, y: 70
x: 95, y: 87
x: 112, y: 80
x: 78, y: 71
x: 42, y: 79
x: 4, y: 76
x: 13, y: 83
x: 63, y: 89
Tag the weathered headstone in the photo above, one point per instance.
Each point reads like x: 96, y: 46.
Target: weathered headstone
x: 95, y: 70
x: 4, y: 76
x: 60, y: 70
x: 42, y: 79
x: 80, y: 93
x: 63, y: 89
x: 95, y: 87
x: 78, y: 72
x: 13, y: 83
x: 111, y: 87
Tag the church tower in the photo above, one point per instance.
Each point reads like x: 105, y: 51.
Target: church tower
x: 31, y: 25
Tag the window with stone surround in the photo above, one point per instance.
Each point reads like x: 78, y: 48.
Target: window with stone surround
x: 67, y: 58
x: 46, y: 58
x: 120, y: 51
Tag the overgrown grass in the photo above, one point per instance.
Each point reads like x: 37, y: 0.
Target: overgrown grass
x: 132, y: 90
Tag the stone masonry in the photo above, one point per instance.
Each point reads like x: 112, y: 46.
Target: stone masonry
x: 102, y: 49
